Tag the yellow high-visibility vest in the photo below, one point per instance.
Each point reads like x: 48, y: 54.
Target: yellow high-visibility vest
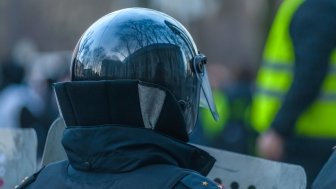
x: 276, y: 75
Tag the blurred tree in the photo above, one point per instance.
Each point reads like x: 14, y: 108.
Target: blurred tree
x: 228, y: 32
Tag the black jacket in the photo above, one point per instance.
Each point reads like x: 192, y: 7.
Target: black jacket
x: 102, y: 157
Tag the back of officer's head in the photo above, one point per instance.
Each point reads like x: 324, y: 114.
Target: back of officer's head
x: 136, y: 67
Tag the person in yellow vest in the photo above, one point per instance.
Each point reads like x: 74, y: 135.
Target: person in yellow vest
x: 294, y: 106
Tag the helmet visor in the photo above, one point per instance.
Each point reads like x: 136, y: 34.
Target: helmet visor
x: 206, y: 97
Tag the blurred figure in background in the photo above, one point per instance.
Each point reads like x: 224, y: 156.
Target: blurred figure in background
x: 47, y: 69
x: 17, y: 98
x: 26, y: 99
x: 232, y: 95
x: 208, y: 131
x: 238, y: 132
x: 295, y: 102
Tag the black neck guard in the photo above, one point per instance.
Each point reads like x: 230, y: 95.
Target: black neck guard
x: 119, y: 102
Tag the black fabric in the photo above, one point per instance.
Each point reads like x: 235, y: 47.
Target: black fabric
x: 28, y: 180
x: 99, y: 102
x: 313, y: 30
x: 62, y: 175
x: 113, y: 156
x: 87, y: 103
x: 114, y: 149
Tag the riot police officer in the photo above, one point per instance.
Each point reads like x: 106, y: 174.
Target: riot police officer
x: 137, y: 80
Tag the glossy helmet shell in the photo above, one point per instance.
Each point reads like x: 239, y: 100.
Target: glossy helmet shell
x: 141, y: 44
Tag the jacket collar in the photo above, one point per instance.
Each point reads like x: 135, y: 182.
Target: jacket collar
x: 119, y: 148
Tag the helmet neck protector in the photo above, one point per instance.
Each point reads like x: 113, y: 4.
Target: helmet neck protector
x: 92, y: 103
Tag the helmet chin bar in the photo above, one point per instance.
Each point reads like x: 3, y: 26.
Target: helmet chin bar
x: 206, y: 97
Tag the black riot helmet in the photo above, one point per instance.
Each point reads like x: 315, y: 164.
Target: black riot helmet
x: 148, y: 46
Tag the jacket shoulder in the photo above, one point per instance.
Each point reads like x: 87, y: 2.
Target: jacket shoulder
x: 196, y: 181
x: 43, y: 176
x: 28, y: 180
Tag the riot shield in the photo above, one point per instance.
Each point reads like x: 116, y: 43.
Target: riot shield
x: 326, y: 179
x: 18, y: 156
x: 242, y: 171
x: 53, y: 149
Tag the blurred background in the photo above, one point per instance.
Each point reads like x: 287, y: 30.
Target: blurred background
x: 37, y: 38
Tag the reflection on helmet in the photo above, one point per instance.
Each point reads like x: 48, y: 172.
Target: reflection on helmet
x: 145, y: 45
